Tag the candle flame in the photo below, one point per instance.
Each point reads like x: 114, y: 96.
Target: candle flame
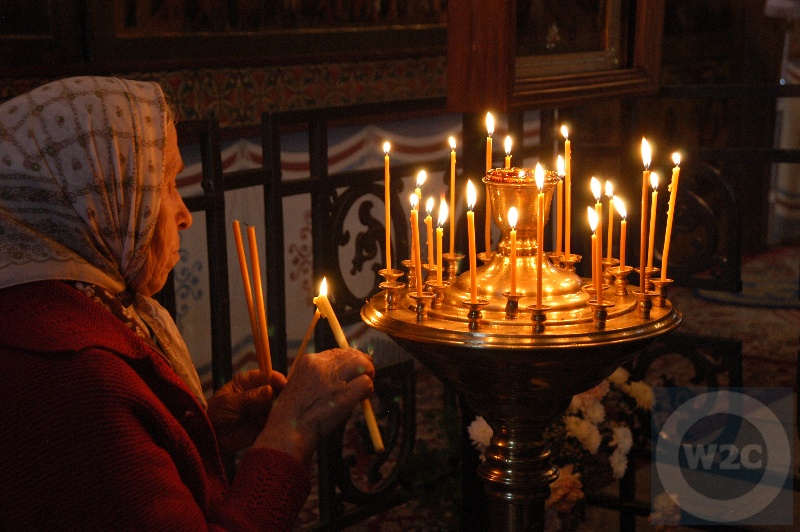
x: 489, y: 123
x: 323, y: 288
x: 512, y: 217
x: 444, y: 212
x: 429, y: 205
x: 565, y: 132
x: 538, y: 174
x: 646, y: 153
x: 386, y: 147
x: 592, y: 218
x: 413, y: 199
x: 508, y: 145
x: 676, y: 158
x: 421, y: 177
x: 609, y: 189
x: 472, y: 195
x: 452, y: 143
x: 595, y: 184
x: 654, y: 180
x: 560, y: 166
x: 620, y: 206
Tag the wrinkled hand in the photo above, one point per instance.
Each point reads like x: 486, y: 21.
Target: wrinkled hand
x: 239, y: 410
x: 323, y: 390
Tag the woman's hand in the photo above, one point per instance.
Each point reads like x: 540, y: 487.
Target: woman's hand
x: 239, y: 410
x: 323, y: 390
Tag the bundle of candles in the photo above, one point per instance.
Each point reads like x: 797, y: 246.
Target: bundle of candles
x: 563, y: 195
x: 258, y: 322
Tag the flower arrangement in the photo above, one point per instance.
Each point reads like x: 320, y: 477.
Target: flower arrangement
x: 590, y: 442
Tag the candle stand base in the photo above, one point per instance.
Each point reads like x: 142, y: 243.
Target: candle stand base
x: 512, y: 305
x: 620, y: 274
x: 423, y: 301
x: 539, y: 316
x: 608, y: 277
x: 411, y: 274
x: 452, y: 260
x: 645, y: 304
x: 661, y: 291
x: 392, y: 287
x: 474, y: 315
x: 438, y: 291
x: 600, y: 312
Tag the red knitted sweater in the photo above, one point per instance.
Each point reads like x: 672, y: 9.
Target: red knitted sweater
x: 98, y: 432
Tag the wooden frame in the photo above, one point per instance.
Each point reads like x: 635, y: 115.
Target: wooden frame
x: 485, y: 70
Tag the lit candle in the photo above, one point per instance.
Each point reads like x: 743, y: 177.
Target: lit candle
x: 593, y: 226
x: 439, y: 231
x: 512, y: 221
x: 452, y: 194
x: 386, y: 202
x: 646, y: 155
x: 488, y: 228
x: 651, y: 240
x: 598, y: 207
x: 610, y: 195
x: 326, y: 310
x: 429, y: 229
x: 473, y: 279
x: 559, y: 204
x: 538, y: 174
x: 673, y: 194
x: 567, y: 189
x: 415, y: 252
x: 421, y: 177
x: 623, y: 229
x: 508, y: 151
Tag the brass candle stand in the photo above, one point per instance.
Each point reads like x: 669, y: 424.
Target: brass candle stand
x: 521, y: 374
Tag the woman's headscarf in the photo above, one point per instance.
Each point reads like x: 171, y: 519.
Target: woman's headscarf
x: 81, y: 167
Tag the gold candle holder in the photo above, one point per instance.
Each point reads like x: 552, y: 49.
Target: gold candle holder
x: 485, y: 256
x: 474, y: 315
x: 600, y: 312
x: 423, y: 301
x: 645, y: 304
x: 570, y: 262
x: 452, y: 260
x: 512, y: 305
x: 646, y: 283
x: 620, y: 279
x: 411, y: 273
x: 608, y: 277
x: 392, y: 287
x: 438, y: 291
x: 538, y: 316
x: 661, y: 291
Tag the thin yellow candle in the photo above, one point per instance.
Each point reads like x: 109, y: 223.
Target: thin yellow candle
x: 248, y: 295
x: 567, y: 190
x: 429, y: 230
x: 415, y: 251
x: 386, y: 203
x: 623, y: 229
x: 559, y: 204
x: 646, y: 155
x: 512, y: 221
x: 598, y: 207
x: 538, y: 174
x: 651, y: 240
x: 488, y: 228
x: 326, y: 310
x: 610, y: 195
x: 259, y: 302
x: 508, y: 151
x: 593, y: 226
x: 473, y: 264
x: 439, y: 231
x: 673, y: 194
x: 452, y: 194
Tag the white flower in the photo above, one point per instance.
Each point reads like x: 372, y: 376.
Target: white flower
x: 595, y: 412
x: 619, y: 462
x: 622, y: 439
x: 620, y: 376
x: 480, y: 433
x: 643, y: 394
x: 666, y: 510
x: 565, y: 491
x: 584, y: 431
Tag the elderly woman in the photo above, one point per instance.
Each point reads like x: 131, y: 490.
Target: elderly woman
x: 104, y: 424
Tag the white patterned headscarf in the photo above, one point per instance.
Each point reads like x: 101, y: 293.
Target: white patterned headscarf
x: 82, y: 162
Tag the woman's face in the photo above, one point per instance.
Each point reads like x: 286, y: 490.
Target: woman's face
x: 173, y: 216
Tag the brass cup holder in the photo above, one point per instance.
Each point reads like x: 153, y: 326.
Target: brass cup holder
x: 485, y: 256
x: 646, y: 283
x: 600, y: 312
x: 452, y: 260
x: 661, y: 291
x: 563, y: 261
x: 474, y: 315
x: 423, y: 302
x: 645, y: 304
x: 538, y: 316
x: 608, y: 277
x: 392, y: 287
x: 438, y: 291
x: 620, y: 279
x: 512, y: 305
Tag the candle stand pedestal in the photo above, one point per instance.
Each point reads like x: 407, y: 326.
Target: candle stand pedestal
x: 512, y: 304
x: 661, y: 291
x: 452, y: 260
x: 620, y: 274
x: 516, y: 373
x: 608, y: 264
x: 392, y: 286
x: 438, y: 291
